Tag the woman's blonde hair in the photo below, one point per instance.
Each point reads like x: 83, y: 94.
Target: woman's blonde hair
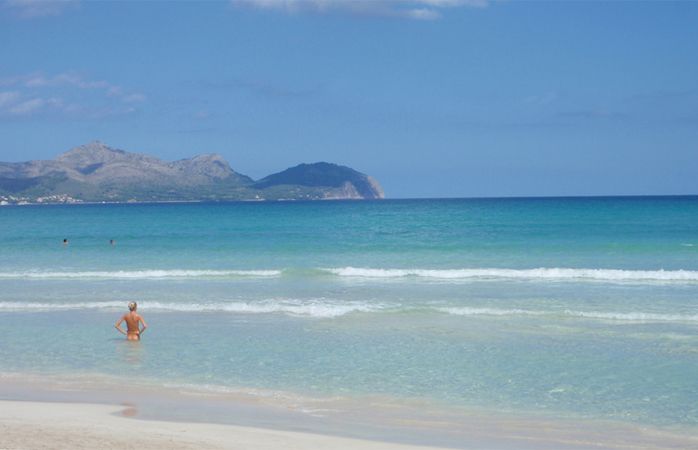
x: 132, y: 306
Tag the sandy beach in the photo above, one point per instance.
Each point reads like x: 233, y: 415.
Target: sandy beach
x: 36, y: 425
x: 68, y: 425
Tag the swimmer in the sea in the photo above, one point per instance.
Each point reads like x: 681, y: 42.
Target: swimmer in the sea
x: 133, y: 322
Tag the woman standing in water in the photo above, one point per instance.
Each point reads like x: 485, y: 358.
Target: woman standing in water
x: 133, y: 321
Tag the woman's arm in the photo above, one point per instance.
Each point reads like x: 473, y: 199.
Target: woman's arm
x: 145, y: 325
x: 118, y: 325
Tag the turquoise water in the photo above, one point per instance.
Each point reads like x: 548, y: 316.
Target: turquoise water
x: 565, y: 307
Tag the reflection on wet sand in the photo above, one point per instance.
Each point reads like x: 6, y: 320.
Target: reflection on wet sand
x: 130, y: 410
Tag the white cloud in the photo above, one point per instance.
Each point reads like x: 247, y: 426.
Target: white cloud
x: 423, y: 14
x: 26, y: 107
x: 133, y: 98
x: 32, y: 9
x: 453, y: 3
x: 15, y: 104
x: 8, y: 98
x: 66, y: 93
x: 408, y: 9
x: 63, y: 79
x: 74, y: 80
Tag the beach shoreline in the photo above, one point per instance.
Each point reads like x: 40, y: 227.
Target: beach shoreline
x: 43, y: 413
x: 32, y: 425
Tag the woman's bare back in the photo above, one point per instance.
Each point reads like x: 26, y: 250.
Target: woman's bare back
x: 133, y: 325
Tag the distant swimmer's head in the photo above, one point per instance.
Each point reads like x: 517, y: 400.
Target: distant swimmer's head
x: 132, y: 306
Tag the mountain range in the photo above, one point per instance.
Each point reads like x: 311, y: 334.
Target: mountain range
x: 96, y: 172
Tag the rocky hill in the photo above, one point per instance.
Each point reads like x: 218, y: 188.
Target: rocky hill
x: 96, y: 172
x: 338, y: 181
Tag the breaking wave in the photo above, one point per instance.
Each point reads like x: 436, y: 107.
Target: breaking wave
x: 307, y: 308
x: 552, y: 274
x: 527, y: 274
x: 324, y: 308
x: 140, y: 274
x: 612, y: 316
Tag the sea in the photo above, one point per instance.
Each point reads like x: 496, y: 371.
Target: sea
x: 575, y: 308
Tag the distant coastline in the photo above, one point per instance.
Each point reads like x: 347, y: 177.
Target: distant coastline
x: 97, y: 173
x: 10, y: 201
x: 162, y: 202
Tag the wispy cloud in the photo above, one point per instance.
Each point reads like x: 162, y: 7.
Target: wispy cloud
x: 8, y: 98
x: 405, y: 9
x: 32, y: 9
x: 133, y: 98
x: 592, y: 114
x: 38, y: 93
x: 545, y: 98
x: 261, y: 87
x: 27, y: 106
x: 13, y: 103
x: 75, y: 80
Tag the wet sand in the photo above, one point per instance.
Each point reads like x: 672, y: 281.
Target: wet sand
x: 35, y: 425
x: 45, y: 413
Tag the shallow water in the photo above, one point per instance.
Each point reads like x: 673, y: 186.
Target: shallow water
x: 579, y: 308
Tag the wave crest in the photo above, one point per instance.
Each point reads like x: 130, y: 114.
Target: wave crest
x: 140, y: 274
x: 324, y: 308
x: 303, y: 308
x: 527, y: 274
x: 553, y: 274
x: 612, y: 316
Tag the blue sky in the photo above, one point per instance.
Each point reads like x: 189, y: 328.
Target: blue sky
x: 435, y: 98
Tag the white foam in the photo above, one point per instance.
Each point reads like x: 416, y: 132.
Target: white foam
x: 140, y: 274
x: 530, y: 274
x: 306, y: 308
x: 322, y: 308
x: 44, y: 306
x: 371, y: 273
x: 298, y: 308
x: 613, y: 316
x: 466, y: 311
x: 635, y: 316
